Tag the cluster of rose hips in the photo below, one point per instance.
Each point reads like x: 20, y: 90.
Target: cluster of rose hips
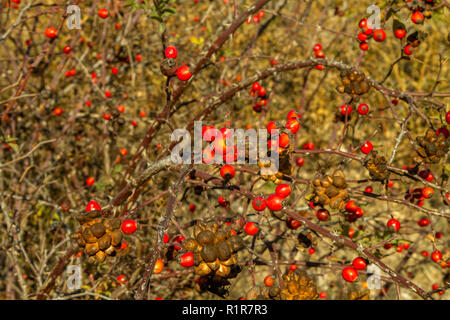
x: 367, y: 33
x: 319, y: 54
x: 258, y: 92
x: 345, y: 110
x: 182, y: 72
x: 292, y: 125
x: 256, y: 18
x: 350, y: 274
x: 354, y: 211
x: 419, y: 195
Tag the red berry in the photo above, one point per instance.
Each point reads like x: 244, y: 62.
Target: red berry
x: 424, y: 253
x: 393, y: 223
x: 400, y: 33
x: 323, y: 295
x: 251, y: 229
x: 350, y: 274
x: 363, y: 23
x: 367, y: 31
x: 293, y: 115
x: 317, y: 47
x: 283, y: 190
x: 417, y: 17
x: 292, y: 223
x: 121, y: 279
x: 320, y: 54
x: 67, y: 49
x: 129, y: 226
x: 364, y: 46
x: 359, y: 213
x: 436, y: 256
x: 114, y: 70
x: 166, y: 238
x: 93, y: 205
x: 192, y: 207
x: 259, y: 203
x: 308, y: 146
x: 311, y: 250
x: 275, y: 202
x: 447, y: 117
x: 362, y: 36
x: 271, y: 126
x: 319, y: 67
x: 187, y: 259
x: 359, y: 263
x: 58, y: 111
x: 346, y: 109
x: 379, y: 35
x: 322, y: 214
x: 283, y: 140
x: 183, y: 73
x: 51, y: 32
x: 262, y: 92
x: 427, y: 192
x: 178, y: 239
x: 351, y: 207
x: 363, y: 109
x: 408, y: 49
x: 299, y: 161
x: 293, y: 125
x: 103, y: 13
x: 256, y: 86
x: 227, y: 172
x: 268, y: 281
x: 171, y: 52
x: 90, y: 181
x: 368, y: 189
x: 222, y: 201
x: 367, y: 147
x: 293, y: 267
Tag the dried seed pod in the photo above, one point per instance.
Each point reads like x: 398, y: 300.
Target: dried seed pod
x: 190, y: 245
x: 331, y: 191
x: 116, y: 237
x: 104, y: 242
x: 202, y: 269
x: 98, y: 229
x: 91, y: 248
x: 236, y: 243
x: 214, y: 265
x: 205, y: 237
x: 221, y: 235
x: 208, y: 253
x: 110, y: 251
x: 223, y: 271
x: 88, y: 236
x: 100, y: 257
x: 223, y: 251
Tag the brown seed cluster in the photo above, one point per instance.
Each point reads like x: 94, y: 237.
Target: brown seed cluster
x: 377, y: 166
x: 432, y: 148
x: 214, y: 249
x: 353, y: 83
x: 330, y: 190
x: 100, y: 237
x: 298, y: 286
x: 284, y: 167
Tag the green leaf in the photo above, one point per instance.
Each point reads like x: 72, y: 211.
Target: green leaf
x: 398, y: 25
x: 156, y: 17
x: 14, y: 146
x: 117, y: 169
